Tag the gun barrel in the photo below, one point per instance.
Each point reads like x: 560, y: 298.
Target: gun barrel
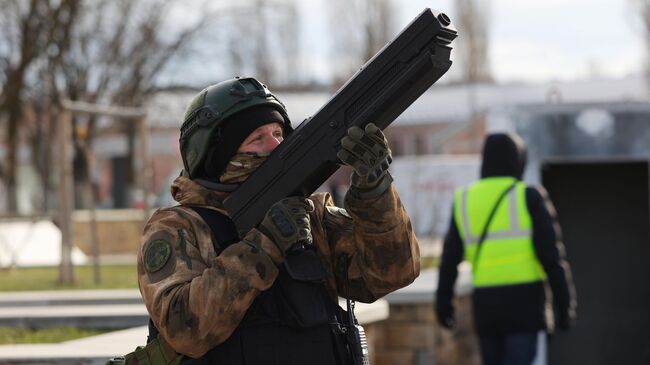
x: 379, y: 92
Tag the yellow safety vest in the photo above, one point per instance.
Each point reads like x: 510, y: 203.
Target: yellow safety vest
x: 507, y: 255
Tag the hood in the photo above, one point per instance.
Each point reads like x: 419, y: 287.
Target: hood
x: 190, y: 192
x: 504, y: 154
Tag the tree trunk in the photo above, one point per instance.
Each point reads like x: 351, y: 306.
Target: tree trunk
x: 31, y: 30
x: 13, y: 108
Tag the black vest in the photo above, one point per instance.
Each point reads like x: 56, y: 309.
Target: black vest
x: 293, y: 322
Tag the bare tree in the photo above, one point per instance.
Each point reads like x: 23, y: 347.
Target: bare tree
x: 30, y: 30
x: 117, y: 59
x: 30, y: 23
x: 119, y: 48
x: 289, y: 42
x: 91, y: 50
x: 643, y: 7
x: 359, y: 28
x: 262, y: 39
x: 113, y: 52
x: 473, y: 45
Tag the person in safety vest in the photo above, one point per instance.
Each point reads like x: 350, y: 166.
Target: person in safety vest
x: 509, y: 233
x: 218, y: 298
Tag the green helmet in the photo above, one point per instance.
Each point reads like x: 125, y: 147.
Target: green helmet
x: 204, y: 117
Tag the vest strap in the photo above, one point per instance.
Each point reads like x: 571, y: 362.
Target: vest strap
x: 487, y: 226
x: 504, y: 250
x: 515, y: 230
x: 222, y: 227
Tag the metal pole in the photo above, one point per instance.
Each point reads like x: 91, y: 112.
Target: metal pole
x: 66, y: 197
x: 92, y: 209
x: 147, y: 170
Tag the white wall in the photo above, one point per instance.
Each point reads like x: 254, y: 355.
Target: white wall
x: 426, y: 186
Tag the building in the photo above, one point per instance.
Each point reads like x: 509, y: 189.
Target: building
x: 447, y: 119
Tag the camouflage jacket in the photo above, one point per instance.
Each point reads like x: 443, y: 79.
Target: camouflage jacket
x: 196, y: 297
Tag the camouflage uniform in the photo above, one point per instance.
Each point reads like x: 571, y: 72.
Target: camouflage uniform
x: 197, y: 297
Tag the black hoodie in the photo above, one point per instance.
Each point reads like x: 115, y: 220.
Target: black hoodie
x: 522, y: 307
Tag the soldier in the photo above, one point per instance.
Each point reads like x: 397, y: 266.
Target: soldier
x: 269, y: 296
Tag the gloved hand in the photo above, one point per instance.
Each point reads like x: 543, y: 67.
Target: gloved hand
x: 287, y: 222
x: 566, y: 319
x: 367, y: 152
x: 445, y: 315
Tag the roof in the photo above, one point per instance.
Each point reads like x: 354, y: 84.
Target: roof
x: 166, y: 109
x: 454, y: 103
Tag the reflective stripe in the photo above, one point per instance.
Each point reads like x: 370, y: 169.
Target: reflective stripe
x: 502, y: 235
x: 515, y: 230
x: 514, y: 214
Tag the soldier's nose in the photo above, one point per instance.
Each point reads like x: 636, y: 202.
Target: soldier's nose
x: 272, y: 142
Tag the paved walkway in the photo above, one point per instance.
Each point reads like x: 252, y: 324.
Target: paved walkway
x: 118, y: 309
x: 89, y: 309
x: 89, y: 350
x: 27, y: 298
x: 115, y: 309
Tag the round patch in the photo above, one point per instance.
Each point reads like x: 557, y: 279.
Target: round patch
x: 156, y: 255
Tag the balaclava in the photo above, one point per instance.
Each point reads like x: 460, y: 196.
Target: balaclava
x: 228, y: 139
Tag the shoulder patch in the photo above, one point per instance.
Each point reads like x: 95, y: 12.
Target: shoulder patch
x: 157, y: 254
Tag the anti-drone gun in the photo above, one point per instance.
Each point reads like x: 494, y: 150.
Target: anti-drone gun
x: 379, y: 92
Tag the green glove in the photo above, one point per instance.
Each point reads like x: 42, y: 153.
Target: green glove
x: 367, y: 152
x: 287, y: 222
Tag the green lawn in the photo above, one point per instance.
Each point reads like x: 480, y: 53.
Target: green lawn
x: 112, y: 277
x: 429, y: 262
x: 10, y: 335
x: 47, y: 278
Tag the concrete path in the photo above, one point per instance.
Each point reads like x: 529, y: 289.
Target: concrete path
x: 117, y: 309
x: 67, y: 297
x: 114, y: 309
x: 124, y: 309
x: 89, y: 309
x: 90, y: 350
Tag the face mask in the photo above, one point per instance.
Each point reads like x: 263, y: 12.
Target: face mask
x: 241, y: 166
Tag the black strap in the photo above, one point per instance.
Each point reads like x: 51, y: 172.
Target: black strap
x: 153, y: 331
x: 223, y: 228
x: 352, y: 319
x: 487, y: 225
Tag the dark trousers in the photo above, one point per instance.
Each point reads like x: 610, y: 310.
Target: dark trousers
x: 508, y: 349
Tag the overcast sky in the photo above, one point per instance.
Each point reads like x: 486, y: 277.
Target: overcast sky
x: 531, y: 40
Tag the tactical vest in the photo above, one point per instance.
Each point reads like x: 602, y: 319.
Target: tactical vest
x: 293, y: 322
x: 507, y: 255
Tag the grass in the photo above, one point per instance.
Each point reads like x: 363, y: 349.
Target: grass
x: 20, y: 335
x: 112, y: 277
x: 47, y: 278
x: 429, y: 262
